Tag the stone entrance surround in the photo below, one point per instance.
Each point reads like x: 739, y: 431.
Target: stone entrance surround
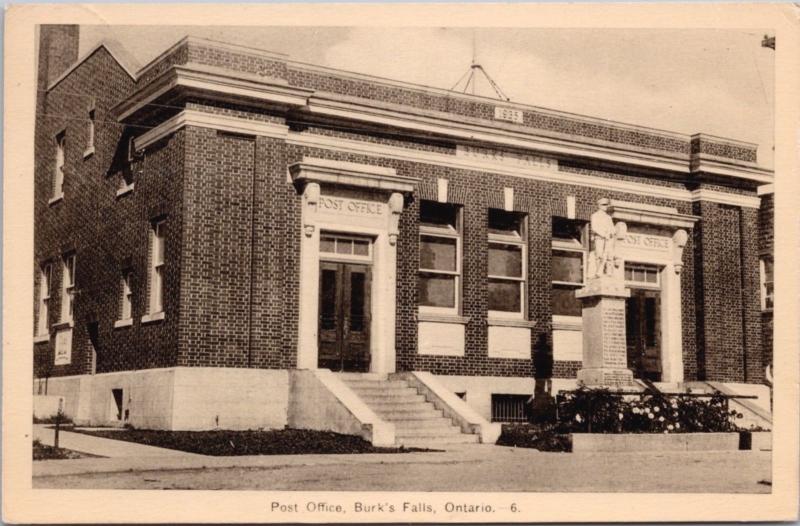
x: 349, y: 198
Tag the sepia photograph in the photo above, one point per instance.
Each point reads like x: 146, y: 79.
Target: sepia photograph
x: 396, y: 262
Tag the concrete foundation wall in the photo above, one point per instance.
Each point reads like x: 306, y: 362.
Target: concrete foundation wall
x: 479, y: 389
x: 178, y: 398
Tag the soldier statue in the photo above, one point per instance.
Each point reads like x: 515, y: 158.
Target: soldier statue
x: 604, y: 236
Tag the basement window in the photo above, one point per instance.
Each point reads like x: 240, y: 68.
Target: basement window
x: 117, y: 395
x: 510, y: 407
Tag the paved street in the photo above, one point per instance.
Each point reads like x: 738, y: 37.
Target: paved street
x: 481, y: 468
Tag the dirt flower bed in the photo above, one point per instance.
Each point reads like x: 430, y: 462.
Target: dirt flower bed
x: 44, y: 452
x: 231, y: 443
x: 544, y: 437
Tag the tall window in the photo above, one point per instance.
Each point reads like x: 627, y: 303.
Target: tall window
x: 440, y: 257
x: 568, y: 262
x: 767, y: 283
x: 507, y: 262
x: 67, y: 287
x: 58, y: 176
x: 156, y: 303
x: 125, y: 310
x: 90, y: 132
x: 42, y: 326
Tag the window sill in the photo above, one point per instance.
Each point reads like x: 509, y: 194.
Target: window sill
x: 62, y: 325
x: 88, y: 152
x: 766, y: 311
x: 41, y: 338
x: 55, y: 199
x: 510, y: 322
x: 567, y: 323
x: 123, y: 323
x: 125, y: 190
x: 442, y: 318
x: 152, y: 318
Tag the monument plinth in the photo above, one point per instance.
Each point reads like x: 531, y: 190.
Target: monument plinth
x: 605, y: 356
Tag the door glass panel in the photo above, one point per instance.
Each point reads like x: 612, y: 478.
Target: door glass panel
x: 357, y: 283
x: 327, y: 316
x: 650, y: 322
x: 437, y: 291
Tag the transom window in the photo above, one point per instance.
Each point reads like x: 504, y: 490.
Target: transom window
x: 439, y: 257
x: 334, y: 246
x: 507, y: 262
x: 642, y: 275
x: 568, y: 261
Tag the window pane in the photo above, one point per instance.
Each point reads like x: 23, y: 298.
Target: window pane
x: 438, y: 214
x: 504, y: 295
x: 502, y: 222
x: 651, y: 276
x: 564, y: 302
x: 768, y: 270
x: 437, y: 291
x: 567, y: 229
x: 361, y: 248
x: 505, y: 260
x: 567, y: 266
x: 344, y: 246
x: 769, y: 300
x: 326, y: 244
x: 437, y: 253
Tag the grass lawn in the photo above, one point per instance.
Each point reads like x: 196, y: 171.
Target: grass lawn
x: 44, y: 452
x: 231, y: 443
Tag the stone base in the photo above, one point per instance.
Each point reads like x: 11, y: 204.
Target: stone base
x: 610, y: 378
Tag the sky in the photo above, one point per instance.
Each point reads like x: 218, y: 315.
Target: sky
x: 719, y: 82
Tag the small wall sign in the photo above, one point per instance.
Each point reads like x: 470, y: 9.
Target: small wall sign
x: 63, y: 347
x: 508, y: 114
x: 342, y: 205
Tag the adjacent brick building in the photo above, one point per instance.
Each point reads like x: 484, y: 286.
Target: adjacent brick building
x: 224, y: 215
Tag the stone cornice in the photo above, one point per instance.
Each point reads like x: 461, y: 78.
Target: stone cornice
x: 714, y: 196
x: 223, y: 84
x: 651, y: 215
x: 209, y: 120
x: 355, y: 175
x: 279, y: 131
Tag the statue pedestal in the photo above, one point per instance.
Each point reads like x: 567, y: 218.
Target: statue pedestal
x: 605, y: 358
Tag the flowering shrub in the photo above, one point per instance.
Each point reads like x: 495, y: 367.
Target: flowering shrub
x: 603, y: 411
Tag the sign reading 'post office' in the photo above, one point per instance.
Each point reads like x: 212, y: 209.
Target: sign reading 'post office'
x: 342, y: 205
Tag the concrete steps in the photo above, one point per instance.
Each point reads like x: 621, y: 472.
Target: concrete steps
x: 417, y: 422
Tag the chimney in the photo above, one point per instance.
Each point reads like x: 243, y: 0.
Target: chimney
x: 58, y: 50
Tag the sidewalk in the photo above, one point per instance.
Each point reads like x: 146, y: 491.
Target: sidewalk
x: 128, y: 456
x: 102, y: 447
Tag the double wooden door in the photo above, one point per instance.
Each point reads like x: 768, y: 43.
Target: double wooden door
x: 344, y: 316
x: 643, y: 333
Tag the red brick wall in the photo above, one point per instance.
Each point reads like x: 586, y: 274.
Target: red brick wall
x: 107, y: 233
x: 766, y: 247
x: 727, y: 305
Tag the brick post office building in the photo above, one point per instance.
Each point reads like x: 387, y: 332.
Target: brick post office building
x: 220, y: 229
